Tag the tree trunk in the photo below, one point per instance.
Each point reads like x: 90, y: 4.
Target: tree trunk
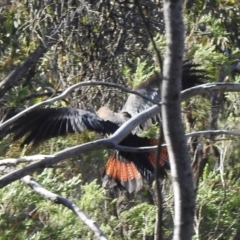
x: 184, y: 197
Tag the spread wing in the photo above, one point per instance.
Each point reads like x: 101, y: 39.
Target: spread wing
x: 191, y: 76
x: 42, y: 124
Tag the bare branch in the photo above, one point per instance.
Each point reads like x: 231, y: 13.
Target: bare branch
x: 110, y: 143
x: 16, y: 161
x: 198, y: 90
x: 36, y: 95
x: 66, y: 92
x: 65, y: 202
x: 113, y: 141
x: 209, y: 88
x: 150, y: 35
x: 212, y: 132
x: 38, y: 157
x: 51, y: 160
x: 158, y: 226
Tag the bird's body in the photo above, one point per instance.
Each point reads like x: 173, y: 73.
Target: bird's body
x: 123, y: 169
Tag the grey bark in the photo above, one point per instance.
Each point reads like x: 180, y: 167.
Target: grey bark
x: 184, y: 197
x: 66, y: 203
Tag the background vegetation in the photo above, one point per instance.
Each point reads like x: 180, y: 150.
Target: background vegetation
x: 109, y: 41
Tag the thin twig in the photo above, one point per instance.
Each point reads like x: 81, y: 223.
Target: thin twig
x: 16, y: 161
x: 28, y: 159
x: 159, y: 58
x: 36, y: 95
x: 39, y: 157
x: 198, y: 90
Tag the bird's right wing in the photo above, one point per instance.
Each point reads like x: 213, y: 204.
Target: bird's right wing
x: 42, y: 124
x: 191, y: 76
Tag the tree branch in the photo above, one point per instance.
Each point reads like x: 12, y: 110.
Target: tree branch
x: 66, y: 203
x: 66, y: 92
x: 198, y: 90
x: 158, y: 226
x: 210, y: 88
x: 113, y: 141
x: 42, y: 161
x: 212, y: 132
x: 16, y: 161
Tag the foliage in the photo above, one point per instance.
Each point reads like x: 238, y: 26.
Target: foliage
x: 218, y: 206
x: 39, y: 219
x: 107, y: 41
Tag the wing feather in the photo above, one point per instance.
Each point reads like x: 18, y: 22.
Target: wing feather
x: 191, y: 76
x: 42, y: 124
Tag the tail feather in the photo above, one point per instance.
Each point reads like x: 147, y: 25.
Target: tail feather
x: 192, y: 75
x: 127, y: 170
x: 163, y: 158
x: 122, y: 173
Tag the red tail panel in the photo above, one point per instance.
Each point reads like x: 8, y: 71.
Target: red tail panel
x: 163, y: 159
x: 127, y: 169
x: 119, y: 171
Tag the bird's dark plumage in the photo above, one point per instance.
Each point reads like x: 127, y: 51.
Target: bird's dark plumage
x: 42, y: 124
x: 122, y: 169
x: 144, y: 162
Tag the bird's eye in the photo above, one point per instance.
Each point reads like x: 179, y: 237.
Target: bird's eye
x: 127, y: 115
